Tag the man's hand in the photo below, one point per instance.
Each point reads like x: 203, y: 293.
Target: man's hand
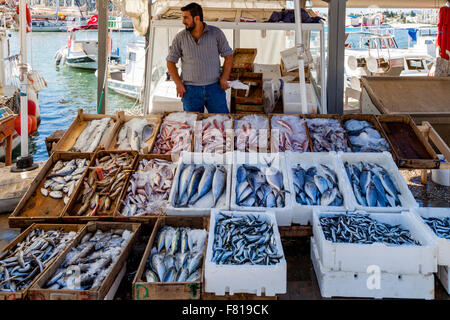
x: 224, y: 83
x: 180, y: 89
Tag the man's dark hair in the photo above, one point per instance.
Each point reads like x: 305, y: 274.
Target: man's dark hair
x: 195, y: 9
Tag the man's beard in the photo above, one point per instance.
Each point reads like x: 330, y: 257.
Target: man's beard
x: 191, y: 28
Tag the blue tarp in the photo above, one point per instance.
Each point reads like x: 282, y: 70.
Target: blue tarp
x: 413, y: 33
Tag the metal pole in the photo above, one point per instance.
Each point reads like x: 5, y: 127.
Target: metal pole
x: 102, y: 56
x: 24, y: 162
x: 336, y: 55
x: 300, y: 55
x: 23, y: 81
x: 149, y: 41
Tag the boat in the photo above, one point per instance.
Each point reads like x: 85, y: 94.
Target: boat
x: 82, y: 54
x: 128, y: 79
x: 46, y: 26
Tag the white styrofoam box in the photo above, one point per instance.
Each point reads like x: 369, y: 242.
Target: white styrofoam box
x: 283, y: 215
x: 442, y: 275
x: 292, y: 101
x: 365, y: 284
x: 443, y: 245
x: 246, y: 278
x: 269, y: 71
x: 290, y: 59
x: 405, y: 259
x: 203, y: 206
x: 441, y: 176
x: 303, y: 214
x: 385, y: 160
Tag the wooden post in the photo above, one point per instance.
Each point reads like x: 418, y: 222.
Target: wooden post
x: 149, y: 39
x: 102, y: 59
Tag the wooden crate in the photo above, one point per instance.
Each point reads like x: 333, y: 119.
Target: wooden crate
x: 34, y: 207
x: 255, y: 96
x: 412, y: 149
x: 78, y: 125
x: 373, y: 120
x: 250, y: 108
x: 241, y: 115
x: 22, y: 294
x: 165, y: 114
x: 243, y: 59
x: 228, y: 135
x: 154, y: 118
x: 37, y: 292
x: 169, y: 290
x: 295, y: 73
x: 328, y: 116
x: 149, y: 217
x: 69, y: 214
x: 272, y: 147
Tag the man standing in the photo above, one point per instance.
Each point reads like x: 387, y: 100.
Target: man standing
x: 199, y: 46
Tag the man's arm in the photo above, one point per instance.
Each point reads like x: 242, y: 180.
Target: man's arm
x: 227, y: 64
x: 172, y: 68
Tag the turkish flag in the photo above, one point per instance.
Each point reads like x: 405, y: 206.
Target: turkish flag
x: 93, y: 19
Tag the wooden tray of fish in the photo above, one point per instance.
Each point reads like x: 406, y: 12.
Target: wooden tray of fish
x: 331, y: 143
x: 98, y: 195
x: 411, y: 148
x: 376, y: 125
x: 39, y: 292
x: 101, y: 137
x: 205, y: 135
x: 144, y: 290
x: 142, y: 141
x: 30, y: 235
x: 158, y: 180
x: 273, y: 136
x: 35, y: 206
x: 259, y: 143
x: 164, y: 144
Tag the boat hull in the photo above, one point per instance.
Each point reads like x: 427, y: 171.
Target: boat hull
x: 85, y: 62
x: 129, y: 90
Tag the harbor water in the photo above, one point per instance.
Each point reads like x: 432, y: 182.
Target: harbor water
x: 70, y: 89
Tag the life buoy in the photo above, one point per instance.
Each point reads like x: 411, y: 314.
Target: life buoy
x: 28, y: 15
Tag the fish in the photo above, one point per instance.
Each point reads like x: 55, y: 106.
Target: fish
x: 219, y: 183
x: 439, y: 225
x: 316, y: 186
x: 175, y: 133
x: 251, y: 133
x: 258, y: 184
x: 253, y: 241
x: 20, y: 265
x: 372, y: 185
x: 149, y: 188
x: 363, y: 229
x: 200, y: 181
x: 93, y: 135
x: 364, y: 137
x: 91, y: 259
x: 103, y: 183
x: 173, y: 261
x: 327, y: 134
x: 213, y: 133
x: 288, y: 133
x: 205, y: 184
x: 134, y: 134
x: 63, y: 178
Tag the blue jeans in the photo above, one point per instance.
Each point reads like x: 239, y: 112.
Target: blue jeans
x: 212, y: 96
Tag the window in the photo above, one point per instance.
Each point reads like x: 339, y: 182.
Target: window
x: 132, y: 56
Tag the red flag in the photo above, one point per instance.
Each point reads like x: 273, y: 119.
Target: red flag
x: 443, y: 38
x: 93, y: 19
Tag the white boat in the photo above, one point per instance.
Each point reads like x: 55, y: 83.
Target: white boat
x: 82, y: 54
x: 46, y: 26
x: 128, y: 79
